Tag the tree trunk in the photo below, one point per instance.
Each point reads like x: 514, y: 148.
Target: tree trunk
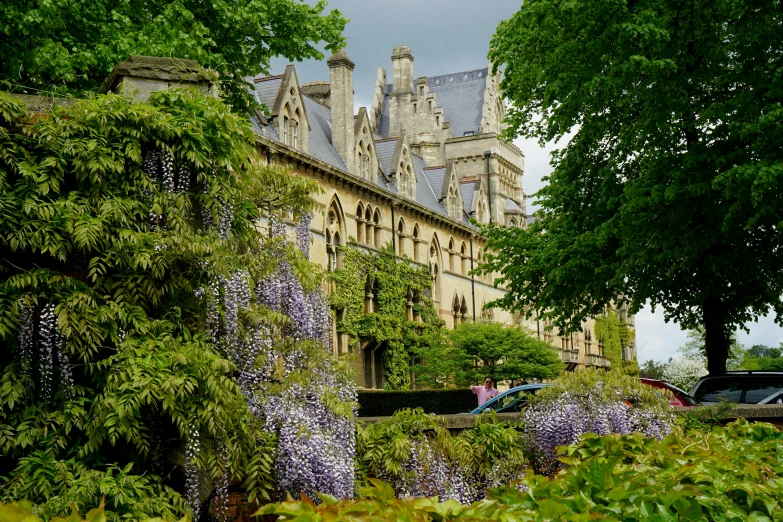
x: 717, y: 340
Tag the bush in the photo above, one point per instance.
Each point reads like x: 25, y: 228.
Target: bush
x: 414, y: 453
x: 732, y: 473
x: 592, y: 401
x: 683, y: 372
x: 439, y: 402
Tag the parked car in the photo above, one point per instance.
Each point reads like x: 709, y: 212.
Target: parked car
x: 744, y: 387
x: 513, y: 400
x: 680, y: 399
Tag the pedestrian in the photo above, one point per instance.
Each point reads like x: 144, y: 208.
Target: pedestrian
x: 485, y: 392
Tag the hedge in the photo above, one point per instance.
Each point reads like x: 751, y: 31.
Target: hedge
x: 378, y: 403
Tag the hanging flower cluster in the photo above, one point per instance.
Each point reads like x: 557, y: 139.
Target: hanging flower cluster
x: 315, y: 443
x: 54, y: 367
x: 192, y: 482
x: 563, y: 420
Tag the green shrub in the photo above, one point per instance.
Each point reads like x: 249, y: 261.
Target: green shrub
x: 416, y: 454
x: 731, y: 473
x: 23, y: 512
x: 440, y: 402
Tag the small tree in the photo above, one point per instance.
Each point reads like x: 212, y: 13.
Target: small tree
x: 479, y: 349
x: 652, y: 370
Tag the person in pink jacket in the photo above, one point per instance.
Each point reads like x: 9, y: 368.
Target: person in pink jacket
x: 485, y: 392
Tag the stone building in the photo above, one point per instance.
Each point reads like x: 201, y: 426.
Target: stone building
x: 412, y: 169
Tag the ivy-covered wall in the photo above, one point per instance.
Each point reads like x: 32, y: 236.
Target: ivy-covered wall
x: 613, y: 334
x: 392, y: 281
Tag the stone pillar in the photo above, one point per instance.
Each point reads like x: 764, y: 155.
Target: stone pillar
x: 141, y: 76
x: 402, y: 66
x: 341, y: 99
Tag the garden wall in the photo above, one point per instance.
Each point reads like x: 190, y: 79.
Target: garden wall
x: 771, y: 413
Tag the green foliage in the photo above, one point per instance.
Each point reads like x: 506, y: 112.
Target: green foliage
x: 76, y: 233
x: 730, y: 473
x: 613, y: 334
x: 383, y: 403
x: 23, y: 512
x: 667, y: 190
x: 704, y: 418
x: 41, y: 50
x: 392, y: 282
x: 476, y: 350
x: 610, y: 385
x: 486, y: 449
x: 652, y: 369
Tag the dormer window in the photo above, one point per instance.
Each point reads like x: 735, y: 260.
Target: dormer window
x: 421, y: 91
x: 429, y: 105
x: 366, y: 166
x: 285, y: 130
x: 437, y: 120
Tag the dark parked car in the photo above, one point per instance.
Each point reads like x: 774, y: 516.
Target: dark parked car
x: 681, y: 398
x: 513, y: 400
x: 744, y: 387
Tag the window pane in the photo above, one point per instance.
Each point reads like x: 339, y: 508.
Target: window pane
x: 761, y: 387
x: 715, y: 390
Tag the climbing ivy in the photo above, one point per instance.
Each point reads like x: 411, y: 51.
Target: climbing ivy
x: 391, y: 281
x: 614, y: 335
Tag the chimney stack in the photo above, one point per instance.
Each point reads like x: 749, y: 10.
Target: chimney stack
x: 341, y: 100
x: 402, y: 68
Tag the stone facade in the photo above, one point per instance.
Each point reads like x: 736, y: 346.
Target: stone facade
x: 412, y: 170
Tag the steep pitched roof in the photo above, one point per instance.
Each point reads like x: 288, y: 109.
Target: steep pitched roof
x: 462, y: 97
x: 267, y: 89
x: 320, y: 142
x: 467, y: 196
x: 512, y: 207
x: 436, y: 176
x: 425, y: 194
x: 386, y: 149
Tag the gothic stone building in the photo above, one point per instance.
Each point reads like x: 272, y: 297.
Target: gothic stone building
x: 410, y: 170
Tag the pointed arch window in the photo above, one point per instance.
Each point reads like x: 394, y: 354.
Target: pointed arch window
x: 295, y: 134
x: 377, y: 227
x: 334, y: 230
x: 401, y: 238
x: 360, y: 223
x: 416, y: 240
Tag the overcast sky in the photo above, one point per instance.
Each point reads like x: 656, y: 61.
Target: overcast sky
x: 450, y: 36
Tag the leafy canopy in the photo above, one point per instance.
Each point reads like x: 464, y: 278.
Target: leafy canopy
x: 477, y: 350
x: 117, y: 258
x: 41, y: 50
x: 668, y: 190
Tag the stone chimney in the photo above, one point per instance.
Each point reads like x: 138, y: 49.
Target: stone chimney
x: 402, y: 70
x: 319, y: 91
x: 140, y: 76
x: 341, y: 101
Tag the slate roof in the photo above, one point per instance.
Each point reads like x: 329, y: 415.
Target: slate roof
x: 320, y: 139
x: 512, y: 207
x: 435, y: 176
x: 467, y: 195
x: 462, y: 97
x: 267, y: 89
x: 385, y: 151
x: 425, y: 194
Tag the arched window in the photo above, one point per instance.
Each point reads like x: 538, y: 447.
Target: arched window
x: 464, y: 259
x: 452, y: 255
x: 512, y: 223
x: 369, y: 235
x: 434, y: 264
x: 401, y: 238
x: 334, y: 231
x: 416, y: 242
x: 360, y: 223
x: 455, y: 310
x: 285, y: 129
x: 377, y: 223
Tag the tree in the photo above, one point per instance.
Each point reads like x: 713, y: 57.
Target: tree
x: 668, y: 191
x: 476, y: 350
x: 41, y: 49
x: 683, y: 372
x: 652, y: 370
x: 760, y: 350
x: 131, y: 331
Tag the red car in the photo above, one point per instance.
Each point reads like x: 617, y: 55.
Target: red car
x: 681, y: 399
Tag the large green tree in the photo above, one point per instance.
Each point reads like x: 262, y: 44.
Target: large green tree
x: 668, y: 190
x: 72, y: 45
x: 108, y: 362
x: 473, y: 351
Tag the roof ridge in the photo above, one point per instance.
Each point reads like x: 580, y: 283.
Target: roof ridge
x: 434, y: 167
x: 459, y: 72
x: 391, y: 138
x: 265, y: 78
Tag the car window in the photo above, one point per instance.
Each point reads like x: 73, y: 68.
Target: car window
x: 720, y: 388
x: 506, y: 400
x: 762, y: 386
